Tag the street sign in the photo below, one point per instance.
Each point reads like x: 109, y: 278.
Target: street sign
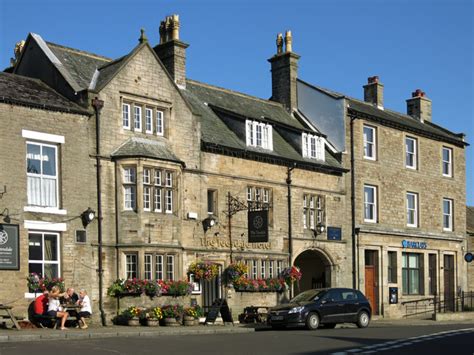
x: 469, y: 257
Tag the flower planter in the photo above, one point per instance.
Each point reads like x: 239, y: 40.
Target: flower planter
x: 133, y: 322
x: 152, y: 322
x: 171, y: 322
x: 189, y: 321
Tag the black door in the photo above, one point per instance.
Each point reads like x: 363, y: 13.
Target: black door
x: 332, y: 307
x: 211, y: 290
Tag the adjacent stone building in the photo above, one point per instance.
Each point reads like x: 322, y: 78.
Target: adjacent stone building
x: 470, y: 245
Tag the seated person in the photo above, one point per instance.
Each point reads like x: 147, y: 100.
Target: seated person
x: 54, y: 306
x: 86, y: 309
x: 41, y: 304
x: 70, y: 296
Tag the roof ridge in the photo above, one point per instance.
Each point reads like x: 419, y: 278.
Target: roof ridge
x: 79, y: 51
x: 112, y: 62
x: 235, y: 93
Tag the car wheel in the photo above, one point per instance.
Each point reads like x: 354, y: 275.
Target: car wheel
x: 312, y: 321
x: 330, y: 325
x: 363, y: 319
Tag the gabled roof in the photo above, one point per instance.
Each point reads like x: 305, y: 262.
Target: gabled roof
x: 208, y: 100
x: 393, y: 118
x: 145, y: 148
x: 80, y: 65
x: 21, y: 90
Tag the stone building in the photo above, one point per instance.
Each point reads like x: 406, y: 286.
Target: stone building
x: 407, y: 191
x: 470, y: 245
x: 162, y: 159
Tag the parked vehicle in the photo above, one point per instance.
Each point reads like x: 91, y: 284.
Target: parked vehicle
x: 322, y: 307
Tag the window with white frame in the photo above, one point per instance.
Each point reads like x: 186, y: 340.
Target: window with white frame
x: 160, y: 125
x: 42, y: 174
x: 411, y: 152
x: 271, y: 273
x: 148, y: 266
x: 263, y: 269
x: 159, y: 267
x: 412, y: 209
x: 137, y: 118
x: 447, y: 161
x: 170, y: 267
x: 313, y: 146
x: 313, y: 210
x: 258, y: 197
x: 126, y: 116
x: 168, y: 192
x: 279, y: 267
x: 131, y: 265
x: 370, y: 147
x: 259, y: 134
x: 43, y: 254
x: 149, y: 120
x: 447, y: 214
x: 254, y: 270
x: 147, y: 189
x: 129, y: 188
x: 370, y: 203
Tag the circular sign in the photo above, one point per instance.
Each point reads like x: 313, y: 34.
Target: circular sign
x: 258, y: 222
x: 3, y: 237
x: 469, y: 257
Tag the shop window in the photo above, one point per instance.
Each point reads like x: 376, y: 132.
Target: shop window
x: 253, y: 271
x: 263, y: 269
x: 271, y: 273
x: 131, y: 265
x: 279, y: 268
x: 42, y: 174
x: 313, y: 210
x: 43, y: 254
x: 392, y: 267
x: 433, y: 284
x: 412, y: 273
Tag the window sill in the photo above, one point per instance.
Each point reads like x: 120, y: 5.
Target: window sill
x: 50, y: 210
x: 31, y: 295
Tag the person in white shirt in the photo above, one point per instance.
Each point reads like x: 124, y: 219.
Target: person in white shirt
x: 86, y: 308
x: 54, y: 306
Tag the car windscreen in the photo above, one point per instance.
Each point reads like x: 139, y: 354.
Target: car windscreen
x: 307, y: 296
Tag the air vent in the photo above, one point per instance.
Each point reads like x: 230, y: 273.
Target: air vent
x: 81, y: 236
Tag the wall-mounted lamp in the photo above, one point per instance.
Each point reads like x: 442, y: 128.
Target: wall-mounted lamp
x: 6, y: 215
x: 87, y: 217
x: 320, y: 228
x: 209, y: 222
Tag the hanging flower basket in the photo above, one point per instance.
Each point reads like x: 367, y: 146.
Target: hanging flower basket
x: 234, y: 272
x: 203, y: 270
x: 291, y: 274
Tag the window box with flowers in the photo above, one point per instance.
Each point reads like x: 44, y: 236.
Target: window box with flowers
x: 37, y: 284
x: 175, y: 288
x: 244, y: 284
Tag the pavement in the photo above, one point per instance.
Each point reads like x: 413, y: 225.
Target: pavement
x: 96, y: 332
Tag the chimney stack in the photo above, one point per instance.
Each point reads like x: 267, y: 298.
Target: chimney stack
x: 284, y: 68
x: 373, y: 92
x: 419, y: 106
x: 171, y: 50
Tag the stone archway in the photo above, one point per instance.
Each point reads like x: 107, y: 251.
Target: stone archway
x: 316, y: 270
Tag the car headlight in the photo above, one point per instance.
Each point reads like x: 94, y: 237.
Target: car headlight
x: 296, y: 309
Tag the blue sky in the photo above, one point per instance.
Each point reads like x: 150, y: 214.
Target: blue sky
x: 426, y: 44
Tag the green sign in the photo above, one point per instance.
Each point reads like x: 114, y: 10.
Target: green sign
x: 9, y: 247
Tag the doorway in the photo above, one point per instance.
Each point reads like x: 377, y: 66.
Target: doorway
x: 316, y: 271
x: 371, y: 277
x: 211, y: 290
x: 449, y: 282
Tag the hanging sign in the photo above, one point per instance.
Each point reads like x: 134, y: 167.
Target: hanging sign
x: 258, y: 226
x: 334, y: 233
x: 9, y: 247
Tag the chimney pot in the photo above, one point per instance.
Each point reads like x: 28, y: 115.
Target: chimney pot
x: 279, y: 43
x: 418, y: 93
x: 373, y: 79
x: 288, y: 41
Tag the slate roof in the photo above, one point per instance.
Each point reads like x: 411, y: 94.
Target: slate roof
x: 394, y: 118
x: 81, y: 65
x: 21, y: 90
x: 470, y: 219
x: 215, y: 132
x: 146, y: 148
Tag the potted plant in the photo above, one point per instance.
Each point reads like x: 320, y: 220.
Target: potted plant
x: 151, y: 288
x: 153, y: 317
x: 203, y: 270
x: 190, y: 316
x: 171, y: 314
x: 132, y: 315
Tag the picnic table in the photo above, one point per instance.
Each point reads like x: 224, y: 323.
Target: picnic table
x: 6, y: 313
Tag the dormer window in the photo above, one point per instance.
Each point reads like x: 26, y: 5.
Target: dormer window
x: 259, y: 134
x: 313, y: 146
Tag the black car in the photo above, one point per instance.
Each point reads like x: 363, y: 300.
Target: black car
x: 322, y: 307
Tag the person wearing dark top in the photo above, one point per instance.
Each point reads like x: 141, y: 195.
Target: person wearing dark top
x: 70, y: 297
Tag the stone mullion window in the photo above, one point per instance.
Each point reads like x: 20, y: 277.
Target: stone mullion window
x: 148, y: 120
x: 313, y: 211
x: 148, y: 266
x: 129, y: 188
x: 147, y: 189
x: 131, y: 265
x: 126, y: 115
x: 137, y: 118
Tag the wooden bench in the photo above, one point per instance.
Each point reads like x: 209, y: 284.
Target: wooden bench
x: 8, y: 315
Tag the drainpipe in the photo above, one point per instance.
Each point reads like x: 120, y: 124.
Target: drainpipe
x: 117, y: 238
x: 290, y: 239
x: 355, y: 283
x: 98, y: 104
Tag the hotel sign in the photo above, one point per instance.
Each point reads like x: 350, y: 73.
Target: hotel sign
x: 9, y: 247
x: 414, y: 245
x: 258, y: 226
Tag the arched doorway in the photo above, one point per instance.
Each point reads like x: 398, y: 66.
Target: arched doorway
x: 316, y: 270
